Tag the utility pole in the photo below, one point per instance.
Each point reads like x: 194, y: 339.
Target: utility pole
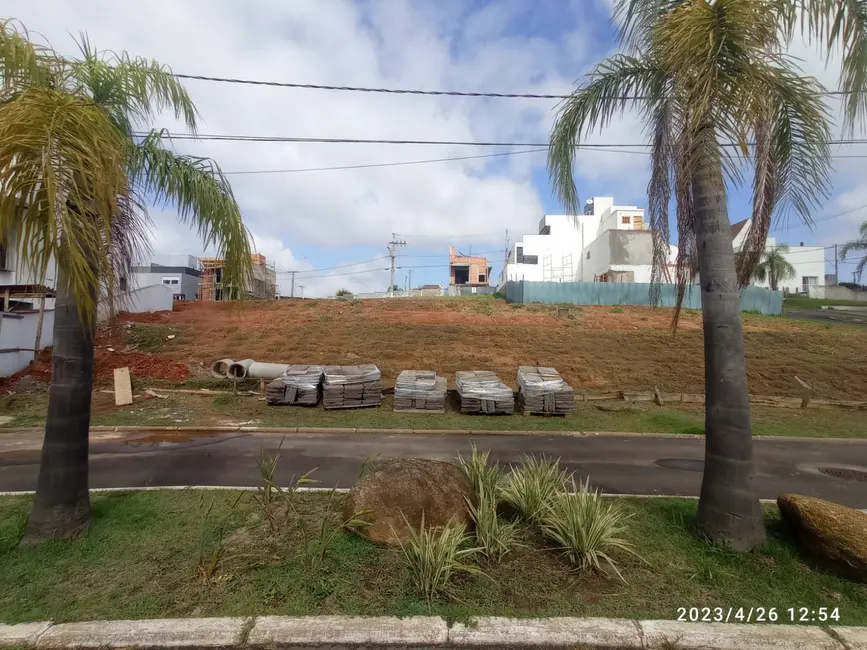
x: 836, y: 270
x: 301, y: 286
x: 410, y: 281
x: 292, y: 291
x: 393, y: 245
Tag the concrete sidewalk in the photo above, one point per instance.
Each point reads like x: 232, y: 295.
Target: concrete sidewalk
x: 338, y: 632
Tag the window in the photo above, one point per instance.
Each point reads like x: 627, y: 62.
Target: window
x: 2, y: 256
x: 481, y: 277
x: 638, y: 222
x: 809, y: 281
x: 531, y: 259
x: 123, y: 284
x: 172, y: 282
x: 624, y: 220
x: 519, y: 255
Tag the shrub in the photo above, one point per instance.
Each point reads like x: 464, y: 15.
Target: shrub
x: 617, y: 310
x: 494, y: 535
x: 586, y: 527
x: 482, y: 475
x: 530, y: 486
x: 433, y: 556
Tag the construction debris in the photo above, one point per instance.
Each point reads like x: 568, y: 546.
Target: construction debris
x: 122, y: 387
x: 542, y: 391
x: 481, y: 391
x: 347, y: 387
x: 298, y: 386
x: 420, y: 391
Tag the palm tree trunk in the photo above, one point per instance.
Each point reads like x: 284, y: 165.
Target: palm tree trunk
x: 61, y: 507
x: 728, y: 510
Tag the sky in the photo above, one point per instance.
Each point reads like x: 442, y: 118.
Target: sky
x: 314, y: 221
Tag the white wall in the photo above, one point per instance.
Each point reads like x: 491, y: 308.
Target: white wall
x: 597, y: 258
x: 18, y: 274
x: 837, y: 293
x: 18, y: 330
x: 157, y: 297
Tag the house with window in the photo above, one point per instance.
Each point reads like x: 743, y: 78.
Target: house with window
x: 808, y: 261
x: 179, y: 272
x: 468, y: 270
x: 608, y: 243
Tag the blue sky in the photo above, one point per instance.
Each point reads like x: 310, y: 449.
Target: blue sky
x: 315, y: 220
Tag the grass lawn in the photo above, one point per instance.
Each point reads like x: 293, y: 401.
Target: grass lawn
x: 177, y: 409
x: 818, y: 303
x: 140, y: 561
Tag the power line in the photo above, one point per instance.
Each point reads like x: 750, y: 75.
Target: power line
x: 395, y: 164
x: 208, y: 137
x: 416, y: 91
x: 339, y: 266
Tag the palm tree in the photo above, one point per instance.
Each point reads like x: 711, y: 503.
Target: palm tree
x: 857, y: 245
x: 715, y: 89
x: 74, y: 179
x: 772, y: 267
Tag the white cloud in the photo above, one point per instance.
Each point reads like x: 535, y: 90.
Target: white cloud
x: 381, y: 43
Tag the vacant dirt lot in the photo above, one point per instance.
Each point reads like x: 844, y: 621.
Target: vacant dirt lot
x: 595, y: 348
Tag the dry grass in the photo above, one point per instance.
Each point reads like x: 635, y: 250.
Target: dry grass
x: 594, y: 349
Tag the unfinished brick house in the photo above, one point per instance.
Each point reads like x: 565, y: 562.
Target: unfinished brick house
x: 466, y: 270
x: 262, y: 286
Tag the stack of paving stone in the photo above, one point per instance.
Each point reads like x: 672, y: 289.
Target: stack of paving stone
x: 347, y: 387
x: 420, y: 391
x: 542, y: 391
x: 481, y: 391
x: 299, y: 386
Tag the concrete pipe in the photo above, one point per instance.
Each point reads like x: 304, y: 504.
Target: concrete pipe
x: 259, y: 370
x: 220, y: 369
x: 238, y: 369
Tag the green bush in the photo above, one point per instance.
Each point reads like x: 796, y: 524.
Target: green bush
x: 482, y: 475
x: 617, y: 310
x: 494, y: 535
x: 530, y: 486
x: 586, y: 527
x: 434, y: 555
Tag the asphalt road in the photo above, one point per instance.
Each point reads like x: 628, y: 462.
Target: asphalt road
x: 616, y: 464
x: 854, y: 317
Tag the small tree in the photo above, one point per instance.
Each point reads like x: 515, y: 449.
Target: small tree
x: 857, y: 245
x: 343, y: 293
x: 394, y: 287
x: 774, y: 267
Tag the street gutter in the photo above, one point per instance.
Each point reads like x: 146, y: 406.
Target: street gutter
x: 442, y: 432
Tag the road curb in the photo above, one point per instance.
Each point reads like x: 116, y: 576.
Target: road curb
x: 338, y: 632
x: 440, y: 432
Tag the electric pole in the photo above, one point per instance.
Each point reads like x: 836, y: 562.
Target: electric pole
x: 301, y: 286
x: 393, y: 245
x: 292, y: 290
x: 410, y: 281
x: 836, y: 270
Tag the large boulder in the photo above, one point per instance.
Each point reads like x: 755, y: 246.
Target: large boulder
x: 408, y: 487
x: 834, y: 535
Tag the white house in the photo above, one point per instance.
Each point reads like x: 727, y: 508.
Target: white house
x: 26, y: 310
x: 808, y: 261
x: 608, y: 243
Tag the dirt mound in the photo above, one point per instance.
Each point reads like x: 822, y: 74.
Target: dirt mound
x: 833, y: 534
x: 140, y: 364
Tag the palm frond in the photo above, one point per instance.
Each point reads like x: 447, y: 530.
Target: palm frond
x: 23, y: 63
x: 636, y: 19
x: 843, y: 23
x: 130, y: 88
x: 62, y: 170
x: 591, y: 107
x: 204, y: 200
x: 686, y: 267
x: 659, y: 189
x: 859, y: 269
x: 852, y: 247
x: 791, y: 158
